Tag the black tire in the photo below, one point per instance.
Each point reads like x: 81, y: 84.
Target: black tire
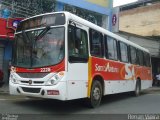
x: 95, y: 95
x: 137, y: 88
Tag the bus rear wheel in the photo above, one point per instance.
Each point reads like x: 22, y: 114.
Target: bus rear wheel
x: 137, y: 88
x: 95, y: 95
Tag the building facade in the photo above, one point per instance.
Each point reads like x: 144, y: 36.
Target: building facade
x: 7, y: 29
x: 98, y: 12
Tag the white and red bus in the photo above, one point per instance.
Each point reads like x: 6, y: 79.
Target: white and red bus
x: 62, y: 56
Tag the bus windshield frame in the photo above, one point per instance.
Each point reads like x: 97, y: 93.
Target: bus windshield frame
x: 42, y: 21
x: 39, y: 46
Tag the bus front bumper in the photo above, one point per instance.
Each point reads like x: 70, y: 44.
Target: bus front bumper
x: 52, y: 92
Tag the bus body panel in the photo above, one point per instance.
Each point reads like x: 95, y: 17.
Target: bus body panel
x: 39, y: 77
x: 120, y: 77
x: 120, y: 86
x: 58, y: 91
x: 116, y: 70
x: 77, y: 79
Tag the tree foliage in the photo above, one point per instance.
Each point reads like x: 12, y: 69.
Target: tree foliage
x: 48, y: 5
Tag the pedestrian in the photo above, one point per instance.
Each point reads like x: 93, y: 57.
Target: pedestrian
x: 158, y: 79
x: 154, y: 79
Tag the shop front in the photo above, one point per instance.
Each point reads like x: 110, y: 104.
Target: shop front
x: 7, y: 29
x: 98, y: 12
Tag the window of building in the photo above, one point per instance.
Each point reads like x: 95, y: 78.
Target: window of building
x: 96, y: 46
x: 94, y: 17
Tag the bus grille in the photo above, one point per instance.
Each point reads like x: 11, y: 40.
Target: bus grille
x: 32, y: 75
x: 35, y: 82
x: 31, y: 90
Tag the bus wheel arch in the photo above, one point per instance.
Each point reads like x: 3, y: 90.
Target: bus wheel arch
x: 101, y: 80
x: 96, y: 93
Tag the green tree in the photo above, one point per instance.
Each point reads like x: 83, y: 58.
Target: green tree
x: 48, y: 5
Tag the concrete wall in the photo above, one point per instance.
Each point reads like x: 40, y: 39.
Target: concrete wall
x: 144, y: 21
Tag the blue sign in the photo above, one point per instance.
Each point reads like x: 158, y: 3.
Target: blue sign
x: 15, y: 23
x: 6, y: 13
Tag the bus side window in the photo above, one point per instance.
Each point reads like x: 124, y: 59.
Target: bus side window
x: 124, y: 52
x: 105, y: 46
x: 147, y: 59
x: 112, y: 48
x: 96, y: 46
x: 144, y: 59
x: 140, y: 57
x: 133, y: 55
x: 77, y: 44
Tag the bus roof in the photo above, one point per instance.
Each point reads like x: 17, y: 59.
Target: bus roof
x: 93, y: 26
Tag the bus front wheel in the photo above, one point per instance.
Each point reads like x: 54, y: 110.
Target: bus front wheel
x: 95, y: 95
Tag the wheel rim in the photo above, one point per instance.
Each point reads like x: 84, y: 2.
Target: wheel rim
x: 96, y: 93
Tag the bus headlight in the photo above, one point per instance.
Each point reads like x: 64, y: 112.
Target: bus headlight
x: 13, y: 79
x: 55, y: 79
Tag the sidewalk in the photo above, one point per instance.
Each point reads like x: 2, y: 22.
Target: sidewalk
x: 153, y: 89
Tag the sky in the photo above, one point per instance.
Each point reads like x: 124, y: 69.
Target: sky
x: 122, y: 2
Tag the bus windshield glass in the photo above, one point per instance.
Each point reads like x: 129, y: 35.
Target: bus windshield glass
x: 42, y: 21
x: 39, y: 48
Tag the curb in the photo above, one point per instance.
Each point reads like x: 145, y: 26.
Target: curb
x: 153, y: 89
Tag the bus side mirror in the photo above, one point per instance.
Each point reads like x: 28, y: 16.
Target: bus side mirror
x: 72, y: 23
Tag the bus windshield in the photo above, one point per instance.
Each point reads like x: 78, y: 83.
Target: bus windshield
x: 39, y: 48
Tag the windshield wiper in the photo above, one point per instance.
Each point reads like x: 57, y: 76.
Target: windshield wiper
x: 41, y: 34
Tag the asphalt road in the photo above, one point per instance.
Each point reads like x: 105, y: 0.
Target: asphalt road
x: 121, y: 104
